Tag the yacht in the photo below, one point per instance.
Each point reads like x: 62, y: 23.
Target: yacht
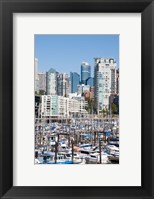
x: 94, y: 158
x: 113, y: 151
x: 61, y: 159
x: 86, y: 146
x: 76, y: 158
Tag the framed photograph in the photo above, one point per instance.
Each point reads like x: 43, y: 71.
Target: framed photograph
x: 76, y: 113
x: 76, y: 99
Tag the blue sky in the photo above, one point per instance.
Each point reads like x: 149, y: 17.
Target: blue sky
x: 65, y: 53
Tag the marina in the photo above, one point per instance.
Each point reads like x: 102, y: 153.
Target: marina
x: 89, y: 140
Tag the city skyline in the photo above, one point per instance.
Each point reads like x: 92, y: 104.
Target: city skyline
x: 83, y: 48
x: 76, y: 99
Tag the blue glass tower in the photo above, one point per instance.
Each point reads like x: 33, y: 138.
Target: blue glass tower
x: 90, y: 81
x: 75, y: 80
x: 85, y: 72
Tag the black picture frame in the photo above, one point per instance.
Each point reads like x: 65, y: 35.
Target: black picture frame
x: 7, y: 8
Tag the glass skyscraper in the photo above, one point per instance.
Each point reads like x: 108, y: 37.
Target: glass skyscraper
x: 90, y: 81
x: 85, y: 72
x: 75, y: 80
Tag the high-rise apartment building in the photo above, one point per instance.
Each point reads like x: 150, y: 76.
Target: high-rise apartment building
x: 51, y: 82
x: 42, y: 82
x: 63, y: 85
x: 74, y: 80
x: 85, y: 72
x: 104, y: 82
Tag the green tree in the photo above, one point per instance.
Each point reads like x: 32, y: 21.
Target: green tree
x: 104, y: 112
x: 41, y: 92
x: 113, y: 108
x: 107, y: 112
x: 90, y: 106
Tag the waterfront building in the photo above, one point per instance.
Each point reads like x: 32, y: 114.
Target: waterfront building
x: 37, y: 106
x: 59, y: 106
x: 42, y: 82
x: 49, y: 105
x: 51, y: 82
x: 54, y: 106
x: 85, y: 72
x: 104, y: 82
x: 63, y: 106
x: 82, y: 103
x: 74, y: 81
x: 63, y: 85
x: 90, y: 81
x: 74, y: 107
x: 36, y: 86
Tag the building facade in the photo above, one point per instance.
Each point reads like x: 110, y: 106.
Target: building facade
x: 85, y: 72
x: 51, y: 82
x: 54, y: 106
x: 104, y: 82
x: 42, y: 82
x: 63, y: 106
x: 74, y: 107
x: 59, y: 106
x: 74, y: 81
x: 63, y: 85
x: 49, y: 105
x: 37, y: 106
x: 80, y: 104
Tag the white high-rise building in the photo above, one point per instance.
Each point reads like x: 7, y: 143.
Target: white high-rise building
x: 51, y: 82
x: 104, y: 82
